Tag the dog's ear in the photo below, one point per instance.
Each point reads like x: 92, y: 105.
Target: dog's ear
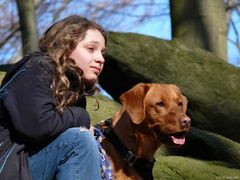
x: 133, y: 102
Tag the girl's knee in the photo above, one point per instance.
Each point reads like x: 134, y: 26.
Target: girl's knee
x: 88, y: 140
x: 81, y: 139
x: 74, y: 133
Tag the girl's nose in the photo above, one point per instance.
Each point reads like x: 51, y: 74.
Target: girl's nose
x: 100, y: 59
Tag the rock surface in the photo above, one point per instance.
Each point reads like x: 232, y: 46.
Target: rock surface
x: 210, y: 84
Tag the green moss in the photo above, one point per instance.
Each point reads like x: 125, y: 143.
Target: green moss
x: 107, y: 108
x: 177, y: 168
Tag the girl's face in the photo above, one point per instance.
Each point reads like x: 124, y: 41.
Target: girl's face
x: 88, y: 55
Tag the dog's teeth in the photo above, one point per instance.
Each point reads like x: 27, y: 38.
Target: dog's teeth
x: 179, y: 141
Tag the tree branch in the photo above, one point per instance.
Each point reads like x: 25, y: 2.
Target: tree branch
x: 9, y: 36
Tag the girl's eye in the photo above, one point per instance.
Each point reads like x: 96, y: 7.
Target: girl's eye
x: 103, y: 52
x: 91, y: 49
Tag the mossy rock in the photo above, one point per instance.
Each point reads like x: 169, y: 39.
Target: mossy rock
x: 210, y: 84
x: 185, y: 168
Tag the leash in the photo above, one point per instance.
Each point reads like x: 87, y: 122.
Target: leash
x: 143, y: 166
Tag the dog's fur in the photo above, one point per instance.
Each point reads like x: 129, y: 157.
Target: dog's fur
x: 151, y: 115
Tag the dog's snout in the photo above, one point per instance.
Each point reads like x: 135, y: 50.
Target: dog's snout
x: 185, y: 122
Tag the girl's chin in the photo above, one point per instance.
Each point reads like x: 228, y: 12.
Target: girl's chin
x: 90, y: 81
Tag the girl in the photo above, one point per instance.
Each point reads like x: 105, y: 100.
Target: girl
x: 45, y: 108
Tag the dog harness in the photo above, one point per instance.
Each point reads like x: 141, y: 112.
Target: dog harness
x: 143, y: 166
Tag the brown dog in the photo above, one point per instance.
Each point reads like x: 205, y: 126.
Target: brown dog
x: 151, y: 115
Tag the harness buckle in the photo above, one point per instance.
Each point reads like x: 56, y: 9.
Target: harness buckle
x: 130, y: 158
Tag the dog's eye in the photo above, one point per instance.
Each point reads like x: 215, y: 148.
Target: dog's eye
x: 161, y: 103
x: 180, y: 104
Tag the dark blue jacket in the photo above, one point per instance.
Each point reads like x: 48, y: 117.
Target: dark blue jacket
x: 27, y: 113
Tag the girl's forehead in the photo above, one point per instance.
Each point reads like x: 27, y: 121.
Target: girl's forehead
x: 94, y: 36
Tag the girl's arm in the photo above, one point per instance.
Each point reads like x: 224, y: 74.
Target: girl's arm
x: 31, y: 107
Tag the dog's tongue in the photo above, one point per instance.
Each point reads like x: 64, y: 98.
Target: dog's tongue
x: 178, y: 140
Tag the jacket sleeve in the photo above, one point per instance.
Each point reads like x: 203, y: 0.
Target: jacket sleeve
x: 31, y: 107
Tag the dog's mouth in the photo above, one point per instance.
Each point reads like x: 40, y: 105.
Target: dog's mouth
x: 175, y: 139
x: 178, y: 138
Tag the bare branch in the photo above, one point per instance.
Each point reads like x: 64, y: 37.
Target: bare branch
x: 9, y: 36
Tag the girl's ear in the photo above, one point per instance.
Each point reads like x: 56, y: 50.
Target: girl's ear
x: 133, y: 102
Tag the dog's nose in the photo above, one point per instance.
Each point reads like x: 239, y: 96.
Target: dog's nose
x: 185, y: 122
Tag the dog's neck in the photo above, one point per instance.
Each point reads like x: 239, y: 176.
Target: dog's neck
x: 137, y: 138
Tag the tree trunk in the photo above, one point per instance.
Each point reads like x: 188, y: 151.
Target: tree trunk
x: 27, y: 20
x: 201, y: 23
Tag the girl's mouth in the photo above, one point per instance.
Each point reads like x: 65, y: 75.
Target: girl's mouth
x: 97, y: 70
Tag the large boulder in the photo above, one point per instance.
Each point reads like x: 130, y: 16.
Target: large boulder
x: 210, y: 84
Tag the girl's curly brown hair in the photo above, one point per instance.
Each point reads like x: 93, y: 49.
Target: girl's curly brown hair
x: 59, y: 41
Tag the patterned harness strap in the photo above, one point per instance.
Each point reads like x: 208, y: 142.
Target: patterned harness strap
x: 107, y: 173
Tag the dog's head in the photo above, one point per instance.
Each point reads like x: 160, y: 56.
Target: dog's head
x: 162, y: 107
